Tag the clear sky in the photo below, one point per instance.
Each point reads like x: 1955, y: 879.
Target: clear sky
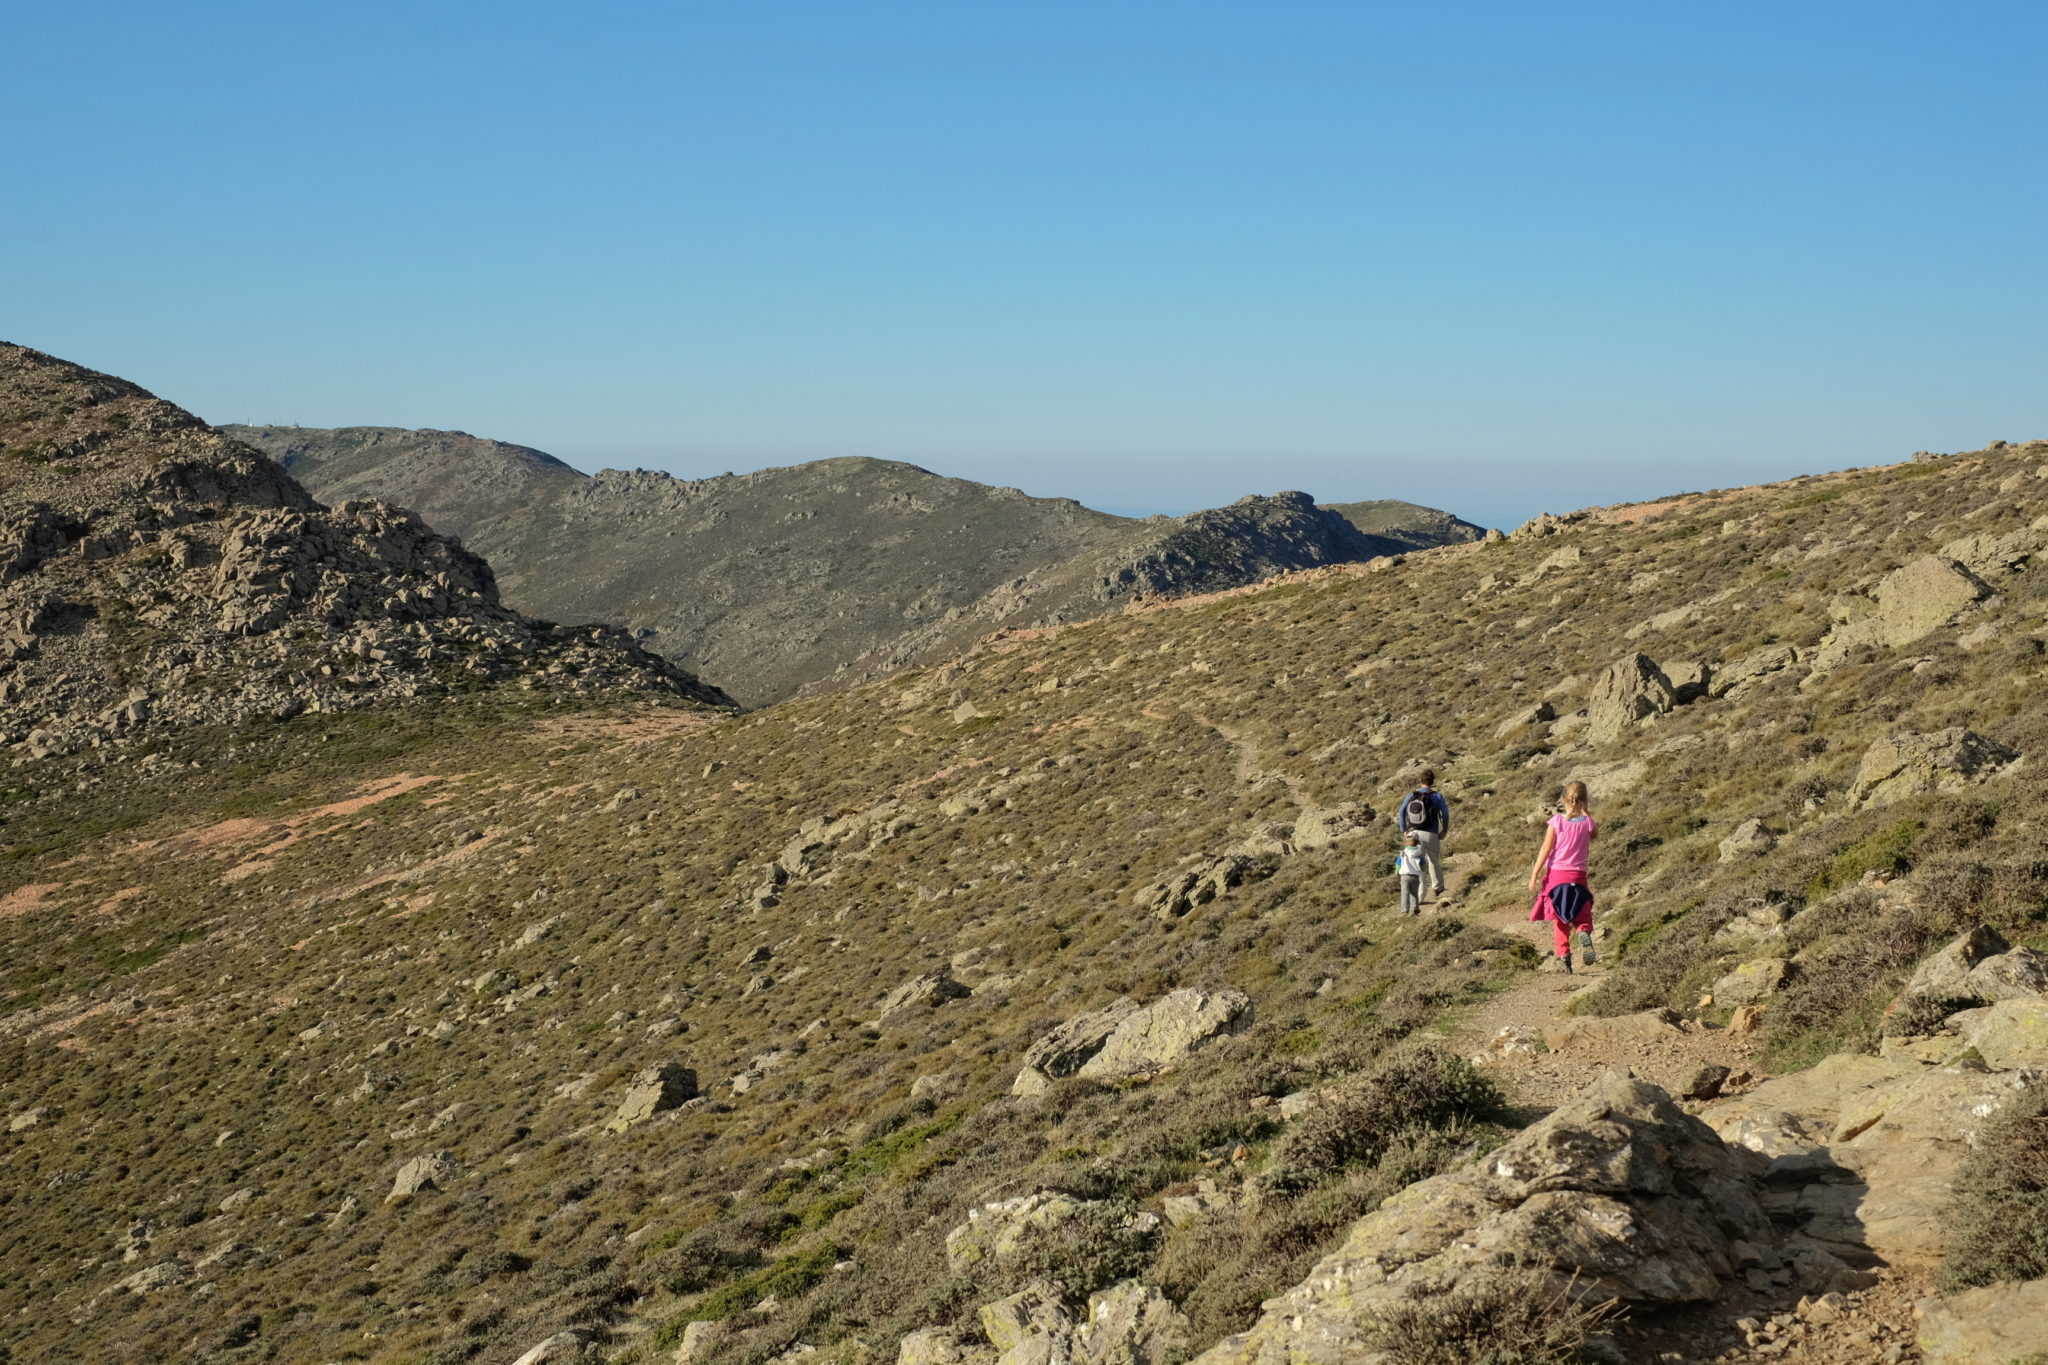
x: 1500, y: 257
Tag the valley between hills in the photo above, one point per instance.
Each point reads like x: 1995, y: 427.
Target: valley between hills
x: 391, y: 975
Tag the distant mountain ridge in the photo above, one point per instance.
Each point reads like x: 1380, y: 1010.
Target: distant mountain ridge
x: 790, y: 579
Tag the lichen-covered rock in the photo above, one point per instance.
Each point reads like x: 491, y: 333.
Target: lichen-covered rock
x: 2008, y: 1035
x: 1866, y: 1149
x: 1617, y: 1194
x: 996, y: 1231
x: 1172, y: 1027
x: 1906, y: 765
x: 1132, y: 1323
x: 1981, y: 966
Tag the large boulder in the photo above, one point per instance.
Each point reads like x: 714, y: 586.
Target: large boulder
x: 1907, y: 605
x: 1632, y: 690
x: 1616, y: 1195
x: 1904, y: 765
x: 1750, y: 839
x: 1172, y: 1027
x: 430, y: 1172
x: 2000, y: 1322
x: 658, y: 1088
x: 1063, y: 1051
x: 923, y: 992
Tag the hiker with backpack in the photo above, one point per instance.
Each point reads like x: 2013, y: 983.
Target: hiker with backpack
x: 1558, y: 881
x: 1426, y: 815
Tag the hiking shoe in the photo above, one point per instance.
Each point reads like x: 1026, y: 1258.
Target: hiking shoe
x: 1586, y: 953
x: 1566, y: 959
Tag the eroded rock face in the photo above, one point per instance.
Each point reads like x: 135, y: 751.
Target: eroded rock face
x: 1619, y: 1187
x: 1908, y: 764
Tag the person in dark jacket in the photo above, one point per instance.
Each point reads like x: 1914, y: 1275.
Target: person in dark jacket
x: 1426, y: 815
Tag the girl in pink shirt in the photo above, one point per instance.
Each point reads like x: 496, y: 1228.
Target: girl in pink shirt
x: 1558, y: 881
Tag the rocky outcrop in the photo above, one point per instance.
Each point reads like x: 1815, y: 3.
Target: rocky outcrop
x: 1979, y: 966
x: 154, y: 572
x: 925, y: 991
x: 1906, y: 765
x: 1616, y: 1195
x: 1750, y: 839
x: 998, y: 1233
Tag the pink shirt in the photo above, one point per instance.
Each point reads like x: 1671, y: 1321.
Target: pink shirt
x: 1574, y: 839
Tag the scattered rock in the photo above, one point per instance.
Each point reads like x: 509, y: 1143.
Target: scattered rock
x: 700, y: 1339
x: 28, y: 1118
x: 1908, y: 764
x: 1322, y: 827
x: 1203, y: 881
x: 1704, y: 1083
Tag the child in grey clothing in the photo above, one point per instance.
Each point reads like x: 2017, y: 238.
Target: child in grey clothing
x: 1408, y: 867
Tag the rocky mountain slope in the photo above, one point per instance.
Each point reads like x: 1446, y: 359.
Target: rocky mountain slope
x: 153, y: 570
x: 1051, y: 1001
x: 819, y: 574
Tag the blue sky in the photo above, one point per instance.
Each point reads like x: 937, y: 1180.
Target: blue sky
x: 1497, y: 257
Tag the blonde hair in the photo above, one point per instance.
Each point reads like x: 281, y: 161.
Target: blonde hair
x: 1576, y: 800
